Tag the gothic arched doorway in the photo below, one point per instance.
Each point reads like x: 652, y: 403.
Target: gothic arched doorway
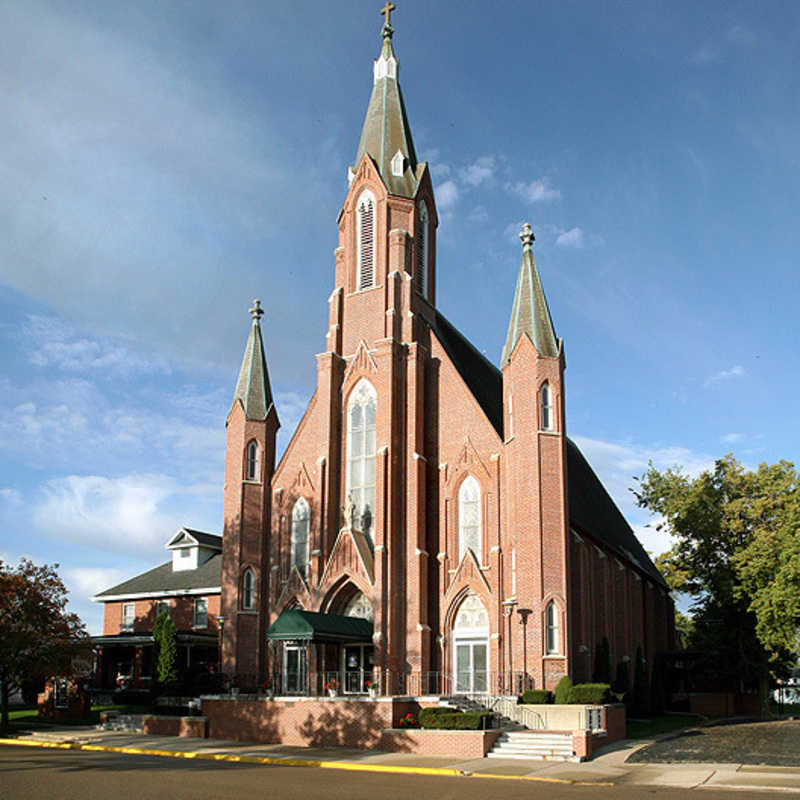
x: 471, y: 647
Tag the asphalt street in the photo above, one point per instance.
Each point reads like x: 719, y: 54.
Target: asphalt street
x: 75, y: 775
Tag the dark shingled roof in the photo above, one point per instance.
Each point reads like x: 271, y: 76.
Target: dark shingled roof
x: 590, y: 506
x: 482, y: 377
x: 205, y: 539
x: 163, y: 579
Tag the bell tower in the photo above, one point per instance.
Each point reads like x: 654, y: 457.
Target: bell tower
x: 251, y: 429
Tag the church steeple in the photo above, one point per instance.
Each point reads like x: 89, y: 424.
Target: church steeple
x: 386, y: 135
x: 530, y: 313
x: 253, y: 389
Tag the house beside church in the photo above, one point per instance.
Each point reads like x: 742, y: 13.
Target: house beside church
x: 188, y: 588
x: 430, y: 528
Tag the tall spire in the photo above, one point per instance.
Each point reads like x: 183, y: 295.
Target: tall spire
x: 252, y: 388
x: 386, y: 135
x: 530, y: 313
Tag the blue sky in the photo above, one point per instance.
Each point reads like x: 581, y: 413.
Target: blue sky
x: 164, y: 163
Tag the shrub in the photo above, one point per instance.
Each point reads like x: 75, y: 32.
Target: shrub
x: 594, y: 693
x: 428, y: 714
x: 408, y: 721
x: 456, y: 721
x: 562, y: 690
x: 537, y: 696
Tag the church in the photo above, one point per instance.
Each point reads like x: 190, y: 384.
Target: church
x: 430, y: 528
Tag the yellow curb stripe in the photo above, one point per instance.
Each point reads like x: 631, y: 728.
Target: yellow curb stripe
x: 294, y: 762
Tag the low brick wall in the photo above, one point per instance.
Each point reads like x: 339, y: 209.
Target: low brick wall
x: 334, y: 722
x: 186, y: 727
x: 585, y: 743
x: 459, y: 744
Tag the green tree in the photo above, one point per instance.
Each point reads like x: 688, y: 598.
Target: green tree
x: 166, y: 649
x: 38, y: 636
x: 684, y: 629
x: 735, y: 530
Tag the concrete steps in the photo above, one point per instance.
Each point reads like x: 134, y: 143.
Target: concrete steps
x: 543, y: 746
x: 129, y: 723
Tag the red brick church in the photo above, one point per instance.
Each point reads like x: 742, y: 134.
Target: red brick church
x: 430, y: 527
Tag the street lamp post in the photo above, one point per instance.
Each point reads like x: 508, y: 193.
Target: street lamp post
x: 221, y: 623
x: 524, y: 613
x: 508, y: 610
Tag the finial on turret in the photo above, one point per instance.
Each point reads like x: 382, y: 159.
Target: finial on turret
x: 526, y: 234
x: 256, y: 312
x: 386, y: 11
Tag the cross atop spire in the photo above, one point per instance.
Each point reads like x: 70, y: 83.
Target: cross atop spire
x: 256, y: 312
x: 386, y: 11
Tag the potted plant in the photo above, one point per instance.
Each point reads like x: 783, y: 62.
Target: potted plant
x: 235, y: 686
x: 408, y: 721
x: 333, y: 687
x: 371, y: 688
x: 267, y: 689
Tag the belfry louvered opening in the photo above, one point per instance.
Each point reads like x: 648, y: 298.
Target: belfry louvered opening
x: 421, y: 272
x: 366, y: 241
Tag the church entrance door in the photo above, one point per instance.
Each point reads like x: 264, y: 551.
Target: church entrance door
x: 294, y: 669
x: 471, y: 667
x: 357, y: 667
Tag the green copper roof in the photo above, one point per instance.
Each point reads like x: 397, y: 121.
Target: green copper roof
x: 312, y: 626
x: 386, y: 130
x: 253, y: 387
x: 530, y: 313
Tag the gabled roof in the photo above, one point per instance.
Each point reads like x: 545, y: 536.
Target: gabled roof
x: 253, y: 389
x: 591, y: 508
x: 530, y: 313
x: 162, y: 580
x: 211, y: 540
x: 589, y: 505
x: 386, y: 130
x: 482, y: 377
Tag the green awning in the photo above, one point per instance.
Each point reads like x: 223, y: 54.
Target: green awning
x: 313, y: 627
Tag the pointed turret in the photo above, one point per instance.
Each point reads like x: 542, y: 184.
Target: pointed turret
x: 252, y: 388
x: 386, y: 135
x: 530, y: 313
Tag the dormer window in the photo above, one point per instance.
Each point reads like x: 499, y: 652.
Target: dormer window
x: 365, y: 213
x: 421, y: 272
x: 252, y: 461
x: 546, y: 407
x: 398, y: 164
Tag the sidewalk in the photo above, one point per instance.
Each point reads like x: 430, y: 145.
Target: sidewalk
x: 607, y: 768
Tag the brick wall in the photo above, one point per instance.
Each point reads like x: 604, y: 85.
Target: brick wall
x: 181, y: 610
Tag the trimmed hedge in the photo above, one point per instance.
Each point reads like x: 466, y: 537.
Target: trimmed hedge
x: 455, y: 720
x: 537, y: 697
x: 428, y: 714
x: 594, y: 693
x: 562, y: 690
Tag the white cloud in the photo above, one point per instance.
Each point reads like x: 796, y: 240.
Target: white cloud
x: 536, y: 191
x: 738, y: 34
x: 128, y: 514
x: 571, y: 238
x: 440, y: 170
x: 707, y: 54
x: 479, y: 171
x: 9, y: 496
x: 617, y: 463
x: 447, y: 195
x: 511, y: 232
x: 88, y: 581
x: 732, y: 438
x: 51, y: 342
x: 725, y: 374
x: 653, y: 540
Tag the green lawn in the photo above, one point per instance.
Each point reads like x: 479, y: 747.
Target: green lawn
x: 645, y: 729
x: 27, y: 718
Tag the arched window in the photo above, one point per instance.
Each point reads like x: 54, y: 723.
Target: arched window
x: 248, y: 600
x: 551, y: 626
x: 361, y: 410
x: 301, y: 516
x: 469, y: 518
x: 359, y: 606
x: 365, y: 213
x: 546, y: 404
x: 421, y: 273
x: 252, y: 461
